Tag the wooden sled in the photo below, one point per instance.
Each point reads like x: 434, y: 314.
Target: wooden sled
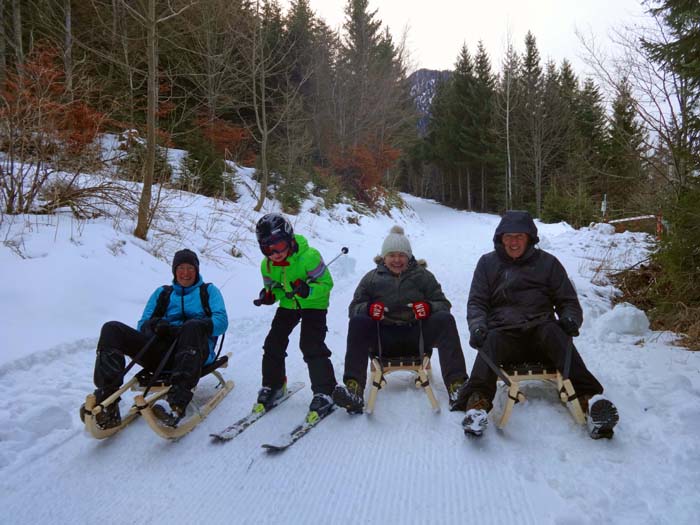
x: 143, y: 405
x: 539, y: 372
x: 381, y: 368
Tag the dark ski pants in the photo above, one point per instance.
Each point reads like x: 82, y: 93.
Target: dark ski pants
x: 185, y: 364
x: 439, y: 331
x: 311, y: 342
x: 546, y: 341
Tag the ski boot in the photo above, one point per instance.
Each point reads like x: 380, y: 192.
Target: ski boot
x: 321, y: 405
x: 267, y: 396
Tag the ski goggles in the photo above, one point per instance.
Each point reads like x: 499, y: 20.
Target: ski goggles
x: 278, y: 247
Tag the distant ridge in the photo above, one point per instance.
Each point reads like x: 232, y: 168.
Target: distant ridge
x: 423, y: 85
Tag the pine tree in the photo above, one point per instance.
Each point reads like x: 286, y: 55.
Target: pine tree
x: 624, y: 153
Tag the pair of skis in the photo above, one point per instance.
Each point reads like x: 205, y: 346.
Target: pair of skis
x: 285, y: 440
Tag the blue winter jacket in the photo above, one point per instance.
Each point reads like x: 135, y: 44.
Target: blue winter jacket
x: 185, y: 304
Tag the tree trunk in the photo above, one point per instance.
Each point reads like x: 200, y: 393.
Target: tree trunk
x: 469, y: 190
x: 17, y: 27
x: 68, y: 48
x: 483, y: 188
x: 144, y: 210
x: 3, y: 47
x: 509, y: 173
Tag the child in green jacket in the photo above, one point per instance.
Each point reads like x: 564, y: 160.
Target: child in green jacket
x: 295, y: 275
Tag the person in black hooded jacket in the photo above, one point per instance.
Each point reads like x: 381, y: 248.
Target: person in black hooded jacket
x: 523, y: 307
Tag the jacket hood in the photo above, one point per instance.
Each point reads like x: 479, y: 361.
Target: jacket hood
x: 302, y: 243
x: 515, y: 221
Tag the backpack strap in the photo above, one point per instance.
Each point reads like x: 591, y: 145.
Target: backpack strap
x: 163, y: 301
x: 204, y: 297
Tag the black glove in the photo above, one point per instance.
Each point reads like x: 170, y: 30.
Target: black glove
x: 569, y: 326
x: 264, y: 297
x: 478, y: 337
x: 206, y: 323
x: 162, y: 328
x: 301, y: 288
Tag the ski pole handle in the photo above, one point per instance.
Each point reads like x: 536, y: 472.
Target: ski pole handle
x: 343, y: 251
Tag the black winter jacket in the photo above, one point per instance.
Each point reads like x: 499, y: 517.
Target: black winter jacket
x: 532, y: 288
x: 397, y: 291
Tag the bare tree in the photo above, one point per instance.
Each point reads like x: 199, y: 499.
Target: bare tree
x: 145, y: 14
x: 271, y: 92
x: 664, y: 101
x: 506, y: 103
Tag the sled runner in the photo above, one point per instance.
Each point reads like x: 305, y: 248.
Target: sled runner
x: 151, y: 391
x: 515, y: 373
x: 380, y: 367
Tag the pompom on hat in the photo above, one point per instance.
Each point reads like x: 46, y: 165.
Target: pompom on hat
x: 396, y: 241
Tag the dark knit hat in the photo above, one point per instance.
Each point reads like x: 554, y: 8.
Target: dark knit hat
x: 185, y: 257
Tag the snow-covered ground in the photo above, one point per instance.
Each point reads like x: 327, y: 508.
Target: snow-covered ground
x: 404, y: 464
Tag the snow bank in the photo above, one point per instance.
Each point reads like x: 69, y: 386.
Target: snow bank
x: 623, y: 319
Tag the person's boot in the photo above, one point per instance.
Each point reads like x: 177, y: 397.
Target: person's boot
x: 172, y: 411
x: 476, y: 418
x: 349, y: 396
x: 109, y: 416
x: 601, y: 416
x: 169, y: 413
x: 453, y: 390
x: 268, y: 396
x: 320, y: 406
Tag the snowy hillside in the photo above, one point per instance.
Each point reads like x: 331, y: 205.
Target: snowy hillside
x: 402, y: 464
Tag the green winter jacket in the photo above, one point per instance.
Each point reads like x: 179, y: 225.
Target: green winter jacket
x: 306, y: 264
x: 397, y: 291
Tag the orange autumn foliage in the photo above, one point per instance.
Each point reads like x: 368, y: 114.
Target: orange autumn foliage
x: 228, y: 140
x: 362, y: 168
x: 39, y: 111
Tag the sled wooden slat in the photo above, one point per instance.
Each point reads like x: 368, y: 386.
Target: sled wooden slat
x: 168, y: 432
x: 405, y: 364
x: 538, y: 372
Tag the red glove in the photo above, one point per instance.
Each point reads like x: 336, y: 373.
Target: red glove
x: 421, y: 310
x: 376, y: 311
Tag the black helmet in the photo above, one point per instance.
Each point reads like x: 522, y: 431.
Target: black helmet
x: 273, y: 228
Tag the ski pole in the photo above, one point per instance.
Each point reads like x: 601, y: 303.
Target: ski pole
x: 344, y: 250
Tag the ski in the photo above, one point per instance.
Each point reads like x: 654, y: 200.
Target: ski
x: 239, y: 426
x: 286, y: 440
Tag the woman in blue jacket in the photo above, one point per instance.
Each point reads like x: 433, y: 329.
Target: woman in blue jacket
x: 191, y: 312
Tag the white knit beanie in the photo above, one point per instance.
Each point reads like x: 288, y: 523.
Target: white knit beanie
x: 396, y: 241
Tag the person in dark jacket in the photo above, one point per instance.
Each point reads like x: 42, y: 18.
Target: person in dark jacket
x: 182, y: 321
x: 523, y: 307
x: 394, y: 299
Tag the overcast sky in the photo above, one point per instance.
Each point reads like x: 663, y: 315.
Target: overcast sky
x: 438, y: 28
